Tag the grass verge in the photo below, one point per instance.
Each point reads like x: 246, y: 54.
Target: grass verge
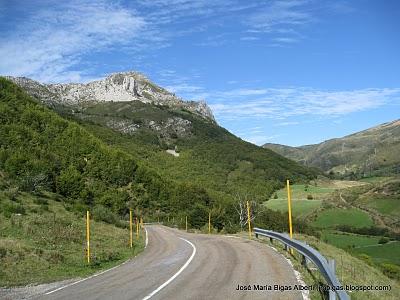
x: 44, y: 242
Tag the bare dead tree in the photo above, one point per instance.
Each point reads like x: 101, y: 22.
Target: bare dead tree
x: 241, y: 208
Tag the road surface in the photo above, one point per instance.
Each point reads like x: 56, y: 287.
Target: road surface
x: 179, y: 265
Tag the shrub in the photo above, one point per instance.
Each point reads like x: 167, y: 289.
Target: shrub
x: 3, y: 252
x: 231, y: 228
x: 390, y: 270
x: 12, y: 193
x: 69, y: 183
x: 366, y: 258
x: 12, y: 208
x: 383, y: 240
x: 310, y: 197
x: 101, y: 213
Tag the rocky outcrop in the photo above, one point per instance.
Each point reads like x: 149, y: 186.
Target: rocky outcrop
x: 128, y: 86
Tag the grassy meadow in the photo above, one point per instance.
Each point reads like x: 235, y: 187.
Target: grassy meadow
x: 353, y: 217
x: 41, y: 241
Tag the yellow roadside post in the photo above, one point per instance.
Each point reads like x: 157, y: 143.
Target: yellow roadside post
x: 130, y: 228
x: 209, y: 222
x: 289, y: 211
x: 186, y: 223
x: 137, y: 228
x: 87, y: 237
x: 141, y: 223
x: 249, y: 218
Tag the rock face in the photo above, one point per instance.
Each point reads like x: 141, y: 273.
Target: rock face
x: 128, y: 86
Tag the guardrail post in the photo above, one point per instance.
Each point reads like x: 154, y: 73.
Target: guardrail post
x: 332, y: 265
x: 271, y: 239
x: 303, y: 261
x: 286, y: 246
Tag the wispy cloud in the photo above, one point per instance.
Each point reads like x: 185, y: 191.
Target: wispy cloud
x: 261, y: 139
x: 249, y: 38
x: 54, y: 40
x: 282, y: 17
x: 280, y: 13
x: 286, y: 123
x: 283, y: 103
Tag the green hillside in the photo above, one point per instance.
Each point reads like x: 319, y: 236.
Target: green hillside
x: 366, y: 153
x: 209, y: 156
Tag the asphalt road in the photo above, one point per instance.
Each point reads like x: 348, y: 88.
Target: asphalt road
x: 178, y: 265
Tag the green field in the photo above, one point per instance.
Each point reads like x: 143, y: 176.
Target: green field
x: 347, y: 240
x: 375, y: 179
x: 301, y: 191
x: 384, y: 205
x: 387, y: 253
x: 352, y: 217
x: 299, y: 207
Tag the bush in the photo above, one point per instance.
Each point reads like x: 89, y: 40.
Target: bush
x: 366, y: 258
x: 69, y: 183
x: 3, y: 252
x: 310, y: 197
x: 12, y: 208
x: 231, y: 228
x: 383, y: 240
x: 12, y: 193
x: 101, y: 213
x: 390, y: 270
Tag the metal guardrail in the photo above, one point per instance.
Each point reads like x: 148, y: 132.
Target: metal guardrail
x: 327, y: 270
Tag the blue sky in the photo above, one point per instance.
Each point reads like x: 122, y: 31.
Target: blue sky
x: 292, y: 72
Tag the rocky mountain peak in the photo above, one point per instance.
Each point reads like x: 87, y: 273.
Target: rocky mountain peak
x: 117, y: 87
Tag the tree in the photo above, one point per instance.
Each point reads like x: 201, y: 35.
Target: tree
x: 241, y: 209
x: 69, y: 183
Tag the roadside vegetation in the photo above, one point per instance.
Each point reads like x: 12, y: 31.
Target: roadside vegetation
x: 43, y: 240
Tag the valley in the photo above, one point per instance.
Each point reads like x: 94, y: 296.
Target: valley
x: 360, y: 217
x: 112, y: 156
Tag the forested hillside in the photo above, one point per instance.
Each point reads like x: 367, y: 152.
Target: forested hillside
x: 209, y: 156
x: 41, y: 151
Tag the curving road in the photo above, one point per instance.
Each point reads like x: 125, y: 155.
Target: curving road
x: 179, y: 265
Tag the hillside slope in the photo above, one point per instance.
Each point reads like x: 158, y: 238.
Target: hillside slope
x: 209, y: 156
x: 370, y: 152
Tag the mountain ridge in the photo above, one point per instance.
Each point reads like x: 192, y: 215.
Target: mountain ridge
x: 121, y: 87
x: 367, y: 152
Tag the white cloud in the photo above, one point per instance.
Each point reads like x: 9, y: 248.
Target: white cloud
x: 287, y: 123
x: 283, y: 103
x: 249, y: 38
x: 54, y: 40
x: 280, y: 13
x: 286, y: 40
x: 184, y: 88
x: 261, y: 139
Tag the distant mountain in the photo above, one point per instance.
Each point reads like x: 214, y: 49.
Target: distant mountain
x: 375, y: 151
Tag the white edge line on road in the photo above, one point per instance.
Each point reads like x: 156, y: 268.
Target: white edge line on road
x: 147, y: 239
x: 76, y: 282
x: 176, y: 274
